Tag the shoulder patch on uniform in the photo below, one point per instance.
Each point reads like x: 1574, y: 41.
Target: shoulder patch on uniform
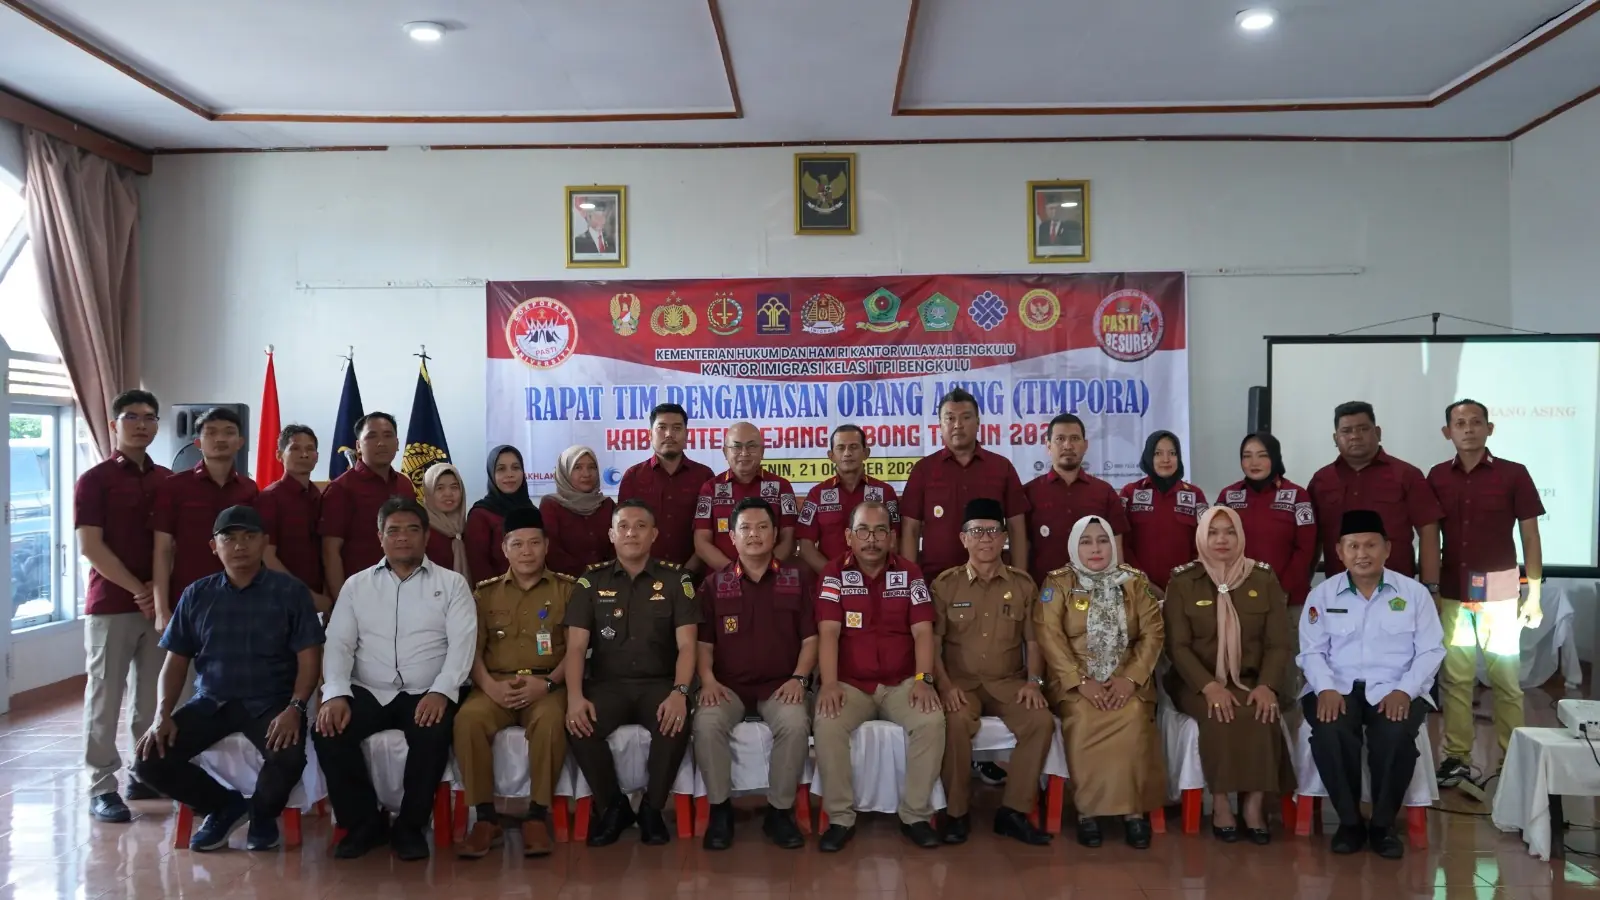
x: 1262, y: 565
x: 1063, y: 571
x: 592, y: 566
x: 584, y: 582
x: 668, y: 565
x: 1022, y: 572
x: 485, y: 583
x: 562, y: 576
x: 688, y: 589
x: 1127, y: 568
x: 1183, y: 568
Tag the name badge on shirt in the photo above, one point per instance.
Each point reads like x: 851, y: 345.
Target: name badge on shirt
x: 960, y: 605
x: 1204, y: 602
x: 544, y: 644
x: 1332, y: 609
x: 852, y: 620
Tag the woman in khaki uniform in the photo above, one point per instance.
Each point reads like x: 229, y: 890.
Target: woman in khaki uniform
x: 1099, y: 628
x: 1228, y: 637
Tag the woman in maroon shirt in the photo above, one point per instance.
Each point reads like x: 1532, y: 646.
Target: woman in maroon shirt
x: 577, y: 517
x: 1279, y: 525
x: 508, y: 490
x: 443, y: 497
x: 1163, y: 511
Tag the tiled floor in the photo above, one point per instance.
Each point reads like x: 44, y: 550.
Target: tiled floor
x: 49, y: 847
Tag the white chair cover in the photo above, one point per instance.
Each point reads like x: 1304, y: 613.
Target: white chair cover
x: 1180, y: 739
x: 1423, y: 790
x: 630, y: 747
x: 751, y: 747
x: 386, y: 764
x: 235, y: 762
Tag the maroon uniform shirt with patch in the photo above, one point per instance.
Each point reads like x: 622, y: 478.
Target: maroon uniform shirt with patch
x: 825, y: 516
x: 1280, y: 529
x: 576, y: 542
x: 350, y: 512
x: 289, y: 513
x: 1161, y: 527
x: 671, y: 496
x: 1481, y: 511
x: 1056, y: 507
x: 187, y: 506
x: 486, y: 532
x: 875, y: 616
x: 713, y: 509
x: 1394, y: 489
x: 756, y: 627
x: 936, y: 495
x: 116, y: 496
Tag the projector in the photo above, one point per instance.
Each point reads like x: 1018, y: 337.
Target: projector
x: 1580, y: 716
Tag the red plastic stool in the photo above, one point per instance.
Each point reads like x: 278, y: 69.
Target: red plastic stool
x: 560, y: 821
x: 290, y: 821
x: 1193, y: 805
x: 1417, y: 826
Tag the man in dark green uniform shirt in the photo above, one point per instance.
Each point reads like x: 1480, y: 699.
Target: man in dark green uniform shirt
x: 639, y: 615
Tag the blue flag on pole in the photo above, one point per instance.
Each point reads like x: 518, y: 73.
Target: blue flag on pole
x: 344, y: 424
x: 425, y: 443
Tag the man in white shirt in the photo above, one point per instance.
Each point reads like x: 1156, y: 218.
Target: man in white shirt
x: 400, y: 646
x: 1370, y: 645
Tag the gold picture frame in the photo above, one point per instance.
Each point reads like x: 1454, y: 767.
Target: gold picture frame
x: 817, y: 207
x: 1058, y: 221
x: 597, y: 226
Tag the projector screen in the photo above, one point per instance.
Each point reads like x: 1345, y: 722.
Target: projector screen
x: 1540, y: 390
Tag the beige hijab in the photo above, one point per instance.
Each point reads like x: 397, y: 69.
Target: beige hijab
x: 1227, y: 573
x: 451, y: 524
x: 580, y: 502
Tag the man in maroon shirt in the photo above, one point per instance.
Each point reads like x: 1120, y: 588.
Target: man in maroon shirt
x: 758, y: 645
x: 875, y: 652
x: 744, y: 449
x: 941, y: 483
x: 1065, y: 494
x: 1484, y: 498
x: 825, y: 516
x: 349, y: 520
x: 289, y: 509
x: 669, y: 483
x: 187, y: 506
x: 1365, y: 477
x: 111, y: 511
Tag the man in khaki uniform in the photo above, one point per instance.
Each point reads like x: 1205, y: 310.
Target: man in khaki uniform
x: 519, y: 679
x: 985, y: 622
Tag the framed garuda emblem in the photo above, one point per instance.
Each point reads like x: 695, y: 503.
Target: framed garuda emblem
x: 824, y: 193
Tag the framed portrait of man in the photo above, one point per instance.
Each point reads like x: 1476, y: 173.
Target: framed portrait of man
x: 824, y: 193
x: 1058, y: 221
x: 597, y: 232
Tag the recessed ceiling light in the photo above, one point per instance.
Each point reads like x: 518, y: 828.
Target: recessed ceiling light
x: 424, y: 32
x: 1258, y: 19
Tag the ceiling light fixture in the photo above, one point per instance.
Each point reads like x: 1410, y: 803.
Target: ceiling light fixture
x: 424, y: 32
x: 1258, y: 19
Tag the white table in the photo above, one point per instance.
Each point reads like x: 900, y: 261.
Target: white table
x: 1550, y: 648
x: 1542, y: 766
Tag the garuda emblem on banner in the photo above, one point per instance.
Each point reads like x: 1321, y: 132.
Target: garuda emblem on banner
x: 673, y: 317
x: 625, y: 314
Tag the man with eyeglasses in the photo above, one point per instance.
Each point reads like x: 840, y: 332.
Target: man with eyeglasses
x: 876, y: 652
x: 758, y: 645
x: 743, y: 447
x: 189, y: 502
x: 351, y: 502
x: 825, y: 516
x: 111, y: 510
x: 669, y: 484
x: 989, y: 664
x: 256, y: 644
x: 1065, y: 494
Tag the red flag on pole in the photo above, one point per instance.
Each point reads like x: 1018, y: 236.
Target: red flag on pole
x: 269, y: 467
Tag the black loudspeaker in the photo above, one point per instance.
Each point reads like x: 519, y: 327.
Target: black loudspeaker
x: 1259, y: 417
x: 184, y: 418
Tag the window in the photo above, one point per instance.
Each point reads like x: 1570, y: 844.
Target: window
x: 45, y: 444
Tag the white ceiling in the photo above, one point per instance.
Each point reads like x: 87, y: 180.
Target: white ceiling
x: 806, y: 70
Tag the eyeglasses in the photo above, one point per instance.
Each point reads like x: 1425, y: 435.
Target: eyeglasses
x: 879, y: 533
x: 135, y: 418
x: 984, y: 533
x: 744, y: 448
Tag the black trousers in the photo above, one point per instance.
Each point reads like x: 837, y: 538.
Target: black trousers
x: 1391, y: 755
x: 201, y: 727
x: 350, y: 790
x: 619, y: 703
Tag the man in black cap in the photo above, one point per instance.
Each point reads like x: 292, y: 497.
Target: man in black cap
x: 1370, y: 644
x: 989, y: 664
x: 257, y: 649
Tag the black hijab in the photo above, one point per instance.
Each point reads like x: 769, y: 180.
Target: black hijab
x: 502, y: 502
x: 1274, y: 453
x: 1147, y: 462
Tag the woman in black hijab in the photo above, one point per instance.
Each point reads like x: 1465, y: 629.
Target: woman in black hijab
x: 1163, y: 511
x: 508, y: 490
x: 1279, y: 526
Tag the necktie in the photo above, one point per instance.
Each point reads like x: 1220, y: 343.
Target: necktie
x: 600, y: 241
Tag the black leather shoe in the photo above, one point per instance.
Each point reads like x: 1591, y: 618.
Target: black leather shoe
x: 1348, y: 839
x: 110, y: 808
x: 1137, y: 833
x: 956, y: 829
x: 781, y: 829
x: 1227, y: 835
x: 834, y: 839
x: 607, y: 829
x: 719, y: 830
x: 361, y: 839
x: 653, y: 828
x: 263, y: 836
x: 921, y: 834
x: 409, y: 843
x: 1012, y: 824
x: 1386, y: 843
x: 138, y: 790
x: 1089, y: 832
x: 1259, y: 836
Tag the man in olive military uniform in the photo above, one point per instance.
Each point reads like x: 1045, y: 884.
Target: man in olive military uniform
x: 519, y: 676
x: 640, y: 617
x: 984, y: 625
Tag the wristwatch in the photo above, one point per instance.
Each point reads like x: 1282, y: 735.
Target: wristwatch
x: 298, y: 706
x: 1038, y: 680
x: 1432, y: 586
x: 682, y: 689
x: 805, y: 680
x: 549, y: 685
x: 925, y: 676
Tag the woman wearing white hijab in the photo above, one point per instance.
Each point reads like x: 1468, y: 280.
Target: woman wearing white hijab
x: 1100, y: 630
x: 577, y: 517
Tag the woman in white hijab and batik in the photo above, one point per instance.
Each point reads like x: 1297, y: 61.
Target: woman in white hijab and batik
x: 1100, y: 630
x: 577, y: 517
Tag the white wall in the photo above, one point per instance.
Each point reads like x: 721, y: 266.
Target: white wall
x: 227, y: 237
